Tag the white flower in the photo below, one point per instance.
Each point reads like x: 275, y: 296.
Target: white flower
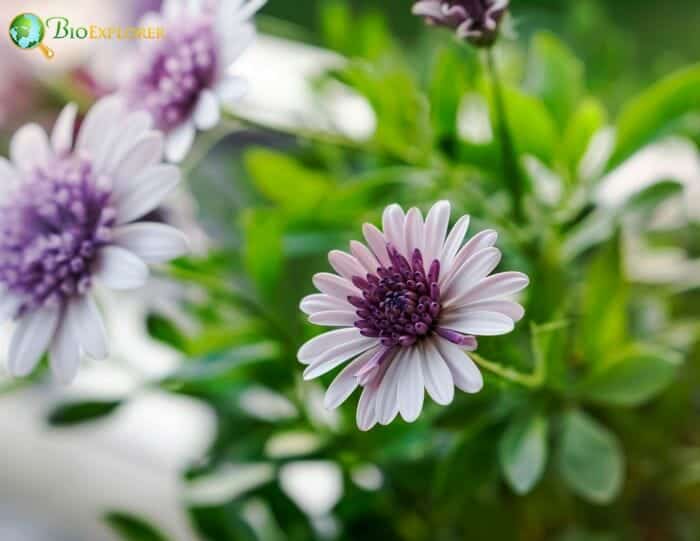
x: 183, y: 79
x: 409, y: 307
x: 68, y: 218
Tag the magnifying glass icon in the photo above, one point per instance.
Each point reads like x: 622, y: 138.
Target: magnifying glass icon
x: 27, y: 32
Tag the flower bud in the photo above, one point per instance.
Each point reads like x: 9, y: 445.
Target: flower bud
x: 476, y: 21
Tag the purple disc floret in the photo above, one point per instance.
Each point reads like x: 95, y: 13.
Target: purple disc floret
x: 181, y: 66
x: 51, y: 233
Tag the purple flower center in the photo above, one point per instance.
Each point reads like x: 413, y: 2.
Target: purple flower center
x: 400, y: 304
x: 170, y: 82
x: 51, y: 232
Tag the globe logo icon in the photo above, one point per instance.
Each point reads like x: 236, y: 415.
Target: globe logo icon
x: 27, y: 32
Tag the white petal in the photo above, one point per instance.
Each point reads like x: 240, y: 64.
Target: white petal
x: 231, y: 90
x: 410, y: 386
x: 436, y: 224
x: 62, y: 134
x: 148, y: 190
x: 171, y: 9
x: 334, y: 285
x: 320, y: 302
x: 414, y: 232
x: 9, y: 176
x: 126, y: 136
x: 334, y: 318
x: 367, y: 408
x: 364, y: 256
x: 65, y: 354
x: 453, y: 243
x: 483, y: 239
x: 194, y: 7
x: 345, y: 382
x: 31, y: 339
x: 29, y: 148
x: 470, y: 273
x: 345, y: 264
x: 509, y: 308
x: 479, y: 323
x: 145, y: 152
x: 179, y: 141
x: 337, y: 355
x: 465, y: 373
x: 497, y: 285
x: 387, y: 397
x: 9, y: 304
x: 152, y: 242
x: 206, y: 113
x: 315, y: 347
x: 120, y: 269
x: 376, y: 242
x: 393, y: 223
x: 85, y: 320
x: 99, y: 120
x: 437, y: 376
x: 249, y: 9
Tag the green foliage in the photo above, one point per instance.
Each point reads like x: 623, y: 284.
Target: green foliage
x: 590, y: 458
x: 654, y: 112
x: 131, y: 528
x: 632, y: 376
x: 74, y: 413
x: 523, y: 451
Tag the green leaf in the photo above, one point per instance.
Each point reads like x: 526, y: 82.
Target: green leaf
x: 590, y: 460
x: 531, y: 125
x: 523, y: 452
x: 449, y: 80
x: 632, y: 377
x: 588, y: 118
x: 284, y: 181
x: 651, y: 197
x: 131, y: 528
x: 654, y: 112
x: 604, y: 304
x: 262, y: 253
x: 223, y: 365
x: 555, y: 75
x: 72, y: 413
x: 164, y: 330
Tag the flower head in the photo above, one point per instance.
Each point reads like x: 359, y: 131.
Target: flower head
x: 409, y: 306
x: 67, y: 220
x: 477, y: 21
x: 183, y: 79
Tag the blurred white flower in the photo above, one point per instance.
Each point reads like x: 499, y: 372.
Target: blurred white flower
x: 409, y: 307
x: 69, y: 218
x: 182, y: 80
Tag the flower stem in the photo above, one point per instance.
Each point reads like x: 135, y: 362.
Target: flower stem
x: 533, y: 380
x: 511, y: 169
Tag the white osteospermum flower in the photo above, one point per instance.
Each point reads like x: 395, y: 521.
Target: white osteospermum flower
x: 67, y: 218
x: 182, y: 80
x: 409, y: 307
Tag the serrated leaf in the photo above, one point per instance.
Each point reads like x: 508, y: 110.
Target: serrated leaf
x: 632, y: 377
x: 590, y: 459
x: 523, y: 452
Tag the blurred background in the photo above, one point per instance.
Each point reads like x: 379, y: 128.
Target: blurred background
x: 199, y: 426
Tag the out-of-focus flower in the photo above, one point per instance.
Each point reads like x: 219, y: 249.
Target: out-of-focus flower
x: 410, y: 306
x: 67, y: 219
x: 183, y: 79
x: 477, y: 21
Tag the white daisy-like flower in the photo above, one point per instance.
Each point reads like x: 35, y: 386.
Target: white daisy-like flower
x: 183, y: 79
x: 410, y: 307
x: 68, y: 218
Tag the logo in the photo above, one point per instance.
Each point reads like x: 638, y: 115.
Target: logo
x: 27, y: 31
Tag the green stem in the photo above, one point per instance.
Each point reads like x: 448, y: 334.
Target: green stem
x: 533, y: 380
x: 511, y: 169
